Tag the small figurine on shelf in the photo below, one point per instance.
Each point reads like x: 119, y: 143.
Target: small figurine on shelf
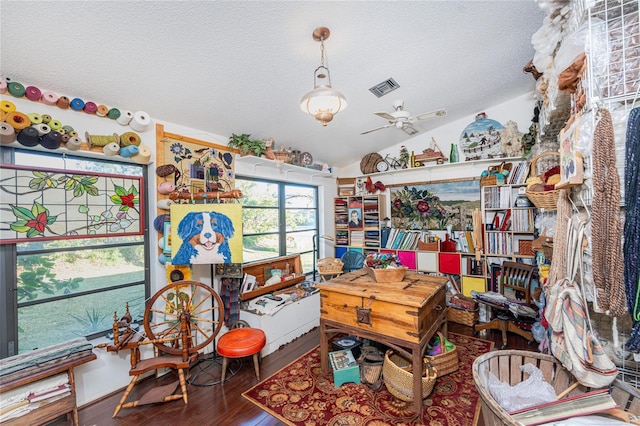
x: 405, y: 157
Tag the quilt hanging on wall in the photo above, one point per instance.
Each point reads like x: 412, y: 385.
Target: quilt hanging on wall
x: 49, y: 204
x: 201, y: 166
x: 206, y: 233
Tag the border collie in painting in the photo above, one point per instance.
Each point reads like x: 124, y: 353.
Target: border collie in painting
x: 205, y: 238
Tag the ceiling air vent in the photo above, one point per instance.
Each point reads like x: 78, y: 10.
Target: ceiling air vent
x: 385, y: 87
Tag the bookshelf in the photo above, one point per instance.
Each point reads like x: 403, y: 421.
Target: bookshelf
x: 358, y: 222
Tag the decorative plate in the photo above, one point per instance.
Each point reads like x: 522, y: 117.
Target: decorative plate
x: 306, y: 159
x: 482, y: 138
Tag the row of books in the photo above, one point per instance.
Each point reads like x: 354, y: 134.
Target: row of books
x: 497, y: 197
x: 519, y: 173
x: 403, y: 239
x: 516, y: 220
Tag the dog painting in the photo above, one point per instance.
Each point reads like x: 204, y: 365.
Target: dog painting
x: 206, y: 234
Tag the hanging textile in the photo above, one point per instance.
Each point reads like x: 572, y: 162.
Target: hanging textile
x: 632, y: 226
x: 230, y: 295
x: 606, y: 229
x: 558, y: 268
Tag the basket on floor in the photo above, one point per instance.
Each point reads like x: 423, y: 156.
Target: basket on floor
x: 505, y: 365
x: 542, y: 199
x: 330, y: 265
x: 447, y: 361
x: 397, y: 373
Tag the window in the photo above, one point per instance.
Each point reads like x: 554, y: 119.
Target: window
x: 278, y: 219
x: 63, y: 289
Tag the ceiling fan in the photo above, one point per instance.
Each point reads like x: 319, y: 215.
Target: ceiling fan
x: 403, y: 119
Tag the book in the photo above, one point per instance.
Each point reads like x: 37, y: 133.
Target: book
x: 249, y: 283
x: 578, y: 405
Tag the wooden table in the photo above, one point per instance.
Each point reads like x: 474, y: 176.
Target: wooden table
x: 402, y: 315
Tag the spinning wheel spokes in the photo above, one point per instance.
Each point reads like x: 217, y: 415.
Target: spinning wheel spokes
x: 189, y: 302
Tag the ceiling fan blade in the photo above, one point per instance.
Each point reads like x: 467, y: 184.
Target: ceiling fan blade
x: 409, y: 129
x: 377, y: 128
x: 432, y: 114
x: 386, y: 116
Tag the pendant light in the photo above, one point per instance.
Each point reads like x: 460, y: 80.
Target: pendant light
x: 323, y: 102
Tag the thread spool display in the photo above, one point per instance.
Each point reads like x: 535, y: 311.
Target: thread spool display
x: 43, y: 129
x: 29, y: 137
x: 128, y: 151
x: 140, y: 121
x: 16, y: 89
x: 111, y: 149
x: 166, y: 188
x: 90, y: 107
x: 49, y: 98
x: 63, y: 102
x: 32, y: 93
x: 67, y: 129
x: 130, y: 138
x: 158, y: 222
x: 34, y: 118
x: 7, y: 106
x: 113, y: 113
x: 74, y: 143
x: 102, y: 110
x: 77, y: 104
x: 65, y: 138
x: 3, y: 115
x: 125, y: 118
x: 51, y: 140
x: 55, y: 125
x: 18, y: 120
x: 165, y: 204
x: 46, y: 118
x: 143, y: 156
x: 7, y: 133
x: 3, y: 85
x: 101, y: 140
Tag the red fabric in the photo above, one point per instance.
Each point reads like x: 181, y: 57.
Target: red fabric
x: 241, y: 342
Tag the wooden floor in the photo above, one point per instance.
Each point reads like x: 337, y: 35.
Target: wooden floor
x: 224, y: 405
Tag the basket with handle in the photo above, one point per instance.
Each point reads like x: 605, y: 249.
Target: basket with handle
x: 397, y: 373
x: 330, y: 265
x: 447, y: 361
x: 547, y: 200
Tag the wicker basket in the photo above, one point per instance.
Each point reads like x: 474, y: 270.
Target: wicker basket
x: 506, y: 366
x: 463, y: 316
x: 445, y: 363
x: 330, y: 265
x: 547, y: 200
x: 387, y: 275
x: 398, y: 377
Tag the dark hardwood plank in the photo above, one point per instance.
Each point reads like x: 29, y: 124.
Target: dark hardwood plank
x: 224, y: 404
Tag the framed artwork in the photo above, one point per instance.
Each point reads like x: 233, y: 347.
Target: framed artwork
x: 571, y: 167
x: 49, y: 204
x: 481, y: 138
x: 206, y: 233
x: 201, y: 166
x: 355, y: 218
x: 434, y: 205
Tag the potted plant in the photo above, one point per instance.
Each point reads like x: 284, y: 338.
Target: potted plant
x: 246, y: 145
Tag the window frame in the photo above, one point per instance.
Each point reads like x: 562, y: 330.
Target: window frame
x: 9, y: 325
x: 282, y: 211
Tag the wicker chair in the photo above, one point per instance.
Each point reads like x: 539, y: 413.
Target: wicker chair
x: 514, y: 281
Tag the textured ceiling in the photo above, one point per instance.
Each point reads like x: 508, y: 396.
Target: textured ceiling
x: 242, y: 66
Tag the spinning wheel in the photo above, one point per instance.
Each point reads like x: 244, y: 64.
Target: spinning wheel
x: 179, y: 320
x: 190, y: 302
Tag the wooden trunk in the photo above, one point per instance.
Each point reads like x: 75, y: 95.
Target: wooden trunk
x: 403, y: 310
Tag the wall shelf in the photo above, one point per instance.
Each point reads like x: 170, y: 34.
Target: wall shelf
x: 285, y: 168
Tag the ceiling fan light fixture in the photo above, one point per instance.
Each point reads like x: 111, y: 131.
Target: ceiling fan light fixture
x: 323, y: 102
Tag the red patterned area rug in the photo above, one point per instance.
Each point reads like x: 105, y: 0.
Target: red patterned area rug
x: 300, y: 395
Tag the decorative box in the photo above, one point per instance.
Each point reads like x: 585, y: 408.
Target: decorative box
x: 344, y: 366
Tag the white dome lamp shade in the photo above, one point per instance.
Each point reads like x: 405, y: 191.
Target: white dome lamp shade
x: 323, y: 102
